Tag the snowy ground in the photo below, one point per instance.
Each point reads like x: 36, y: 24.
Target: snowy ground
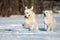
x: 11, y: 29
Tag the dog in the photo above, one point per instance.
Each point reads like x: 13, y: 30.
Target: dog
x: 30, y: 20
x: 49, y: 20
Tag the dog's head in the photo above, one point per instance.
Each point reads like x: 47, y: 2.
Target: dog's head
x: 47, y: 12
x: 29, y: 13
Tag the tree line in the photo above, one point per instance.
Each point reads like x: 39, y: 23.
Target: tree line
x: 16, y: 7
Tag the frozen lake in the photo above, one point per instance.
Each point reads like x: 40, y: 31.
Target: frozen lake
x: 11, y: 29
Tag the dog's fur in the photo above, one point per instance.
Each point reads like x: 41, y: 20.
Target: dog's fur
x: 30, y: 21
x: 49, y: 21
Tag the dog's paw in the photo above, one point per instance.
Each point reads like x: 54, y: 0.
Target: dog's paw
x: 22, y: 24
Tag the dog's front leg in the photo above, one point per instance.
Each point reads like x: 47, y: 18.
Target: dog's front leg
x: 49, y: 27
x: 31, y: 27
x: 25, y: 25
x: 46, y: 27
x: 34, y: 28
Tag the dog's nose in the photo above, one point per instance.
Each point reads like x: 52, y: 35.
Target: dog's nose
x: 44, y: 14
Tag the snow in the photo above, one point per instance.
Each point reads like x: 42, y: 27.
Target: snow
x: 11, y: 29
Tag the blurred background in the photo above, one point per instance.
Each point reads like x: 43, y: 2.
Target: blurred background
x: 12, y: 18
x: 16, y: 7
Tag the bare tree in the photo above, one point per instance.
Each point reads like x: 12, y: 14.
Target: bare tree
x: 21, y: 6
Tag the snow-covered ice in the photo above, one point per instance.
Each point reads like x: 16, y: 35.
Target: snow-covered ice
x: 11, y: 29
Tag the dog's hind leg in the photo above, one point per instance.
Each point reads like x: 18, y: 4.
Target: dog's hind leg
x: 53, y: 27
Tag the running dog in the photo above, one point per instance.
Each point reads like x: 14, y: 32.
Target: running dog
x: 30, y: 21
x: 49, y: 20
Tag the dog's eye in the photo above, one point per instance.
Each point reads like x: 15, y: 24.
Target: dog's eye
x: 27, y: 13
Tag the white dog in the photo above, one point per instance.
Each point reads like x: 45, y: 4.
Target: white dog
x: 49, y: 21
x: 30, y: 21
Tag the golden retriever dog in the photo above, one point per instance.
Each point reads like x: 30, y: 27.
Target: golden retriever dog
x: 30, y: 20
x: 49, y: 20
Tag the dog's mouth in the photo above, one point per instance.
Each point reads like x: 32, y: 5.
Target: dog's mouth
x: 27, y: 17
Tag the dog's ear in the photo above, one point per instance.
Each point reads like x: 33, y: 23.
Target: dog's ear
x: 26, y: 8
x: 31, y: 8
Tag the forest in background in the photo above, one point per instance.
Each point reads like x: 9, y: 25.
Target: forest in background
x: 16, y: 7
